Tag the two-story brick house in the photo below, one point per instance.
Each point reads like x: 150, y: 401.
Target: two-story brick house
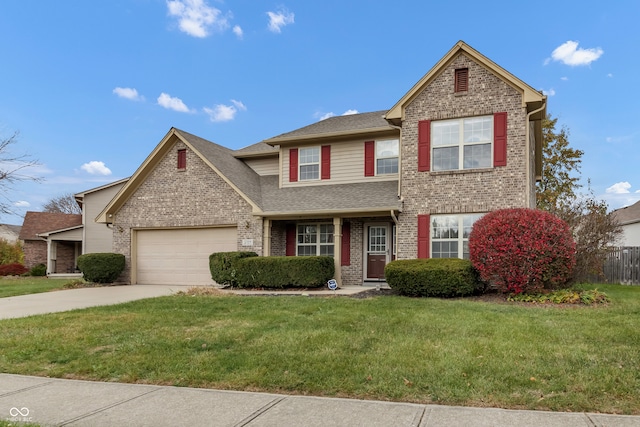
x: 364, y: 188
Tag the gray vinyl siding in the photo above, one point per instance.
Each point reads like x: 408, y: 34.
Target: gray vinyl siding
x: 97, y: 237
x: 264, y: 165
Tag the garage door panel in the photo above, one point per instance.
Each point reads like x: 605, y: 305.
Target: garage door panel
x: 180, y: 256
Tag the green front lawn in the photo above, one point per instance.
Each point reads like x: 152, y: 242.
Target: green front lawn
x: 11, y: 287
x: 456, y: 352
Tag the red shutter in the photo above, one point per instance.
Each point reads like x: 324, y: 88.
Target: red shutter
x: 182, y: 159
x: 424, y: 145
x: 325, y: 161
x: 293, y: 165
x: 346, y: 244
x: 500, y: 139
x: 291, y: 240
x: 423, y: 236
x: 369, y: 158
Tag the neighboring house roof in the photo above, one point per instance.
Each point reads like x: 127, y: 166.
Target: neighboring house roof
x: 628, y: 214
x: 352, y: 124
x: 356, y: 198
x: 42, y: 222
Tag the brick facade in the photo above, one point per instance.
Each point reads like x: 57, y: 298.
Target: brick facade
x: 35, y: 252
x: 193, y: 197
x: 469, y: 191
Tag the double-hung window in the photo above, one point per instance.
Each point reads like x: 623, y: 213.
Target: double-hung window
x: 387, y: 156
x: 315, y: 239
x: 450, y: 235
x: 309, y: 163
x: 462, y: 143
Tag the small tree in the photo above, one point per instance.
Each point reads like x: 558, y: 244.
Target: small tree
x: 11, y: 252
x: 65, y: 203
x: 522, y: 250
x: 13, y: 169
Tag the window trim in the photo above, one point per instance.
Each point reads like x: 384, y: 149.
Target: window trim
x: 301, y: 164
x: 461, y: 143
x: 376, y: 157
x: 318, y: 244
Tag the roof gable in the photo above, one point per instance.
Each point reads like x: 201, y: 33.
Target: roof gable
x: 531, y: 98
x: 337, y: 126
x: 221, y: 160
x: 628, y: 214
x: 41, y: 222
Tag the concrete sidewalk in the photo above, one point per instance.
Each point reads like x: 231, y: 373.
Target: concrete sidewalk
x: 57, y: 402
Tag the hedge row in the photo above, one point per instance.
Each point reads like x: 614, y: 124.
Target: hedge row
x: 101, y: 267
x: 435, y: 277
x: 247, y: 270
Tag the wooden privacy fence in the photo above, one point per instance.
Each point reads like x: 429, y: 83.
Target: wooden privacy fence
x: 623, y: 265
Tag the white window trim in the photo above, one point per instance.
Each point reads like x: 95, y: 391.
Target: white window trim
x: 317, y: 244
x: 461, y: 144
x: 300, y: 164
x: 375, y: 148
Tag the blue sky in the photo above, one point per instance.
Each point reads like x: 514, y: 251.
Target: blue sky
x: 93, y: 86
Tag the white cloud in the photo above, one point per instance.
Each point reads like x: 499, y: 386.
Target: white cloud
x: 279, y: 19
x: 564, y: 79
x: 196, y: 17
x: 238, y: 31
x: 128, y: 93
x: 167, y: 101
x: 96, y: 168
x: 22, y: 204
x: 224, y: 113
x: 323, y: 116
x: 549, y: 92
x: 569, y: 54
x: 610, y: 75
x: 619, y: 188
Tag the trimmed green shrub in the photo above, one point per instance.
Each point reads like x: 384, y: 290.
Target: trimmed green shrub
x: 38, y: 270
x: 282, y: 272
x: 522, y: 250
x: 101, y: 267
x: 222, y: 266
x: 13, y: 269
x: 435, y: 277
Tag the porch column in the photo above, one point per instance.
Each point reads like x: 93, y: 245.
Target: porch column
x: 50, y: 244
x: 337, y: 248
x: 266, y: 237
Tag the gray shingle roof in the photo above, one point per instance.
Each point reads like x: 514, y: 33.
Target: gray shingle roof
x: 259, y: 148
x: 357, y: 196
x: 628, y: 214
x: 337, y: 124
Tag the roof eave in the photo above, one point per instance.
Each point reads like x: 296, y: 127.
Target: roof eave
x: 355, y: 212
x: 303, y: 138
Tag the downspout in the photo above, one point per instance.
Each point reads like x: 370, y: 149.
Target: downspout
x: 528, y: 156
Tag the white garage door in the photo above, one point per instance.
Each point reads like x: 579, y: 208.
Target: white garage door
x: 180, y: 257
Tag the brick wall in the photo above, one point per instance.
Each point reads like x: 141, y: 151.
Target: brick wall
x: 65, y: 257
x: 35, y: 252
x: 462, y: 191
x: 193, y: 197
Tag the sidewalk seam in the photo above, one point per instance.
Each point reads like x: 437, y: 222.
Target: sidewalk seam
x: 417, y: 419
x: 259, y: 412
x: 26, y: 388
x: 113, y: 405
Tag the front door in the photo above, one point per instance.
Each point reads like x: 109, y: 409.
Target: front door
x: 377, y: 250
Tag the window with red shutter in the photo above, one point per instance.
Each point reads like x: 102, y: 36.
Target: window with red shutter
x: 423, y: 236
x: 369, y: 158
x: 290, y: 244
x: 424, y: 142
x: 500, y: 139
x: 325, y: 161
x: 293, y: 165
x: 346, y: 244
x: 182, y: 159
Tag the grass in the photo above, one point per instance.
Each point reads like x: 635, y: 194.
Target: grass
x: 456, y: 352
x: 11, y: 287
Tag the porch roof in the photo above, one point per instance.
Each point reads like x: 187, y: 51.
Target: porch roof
x: 362, y: 198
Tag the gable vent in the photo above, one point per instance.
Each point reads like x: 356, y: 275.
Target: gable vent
x: 462, y: 80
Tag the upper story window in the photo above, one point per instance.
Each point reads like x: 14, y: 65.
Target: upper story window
x: 182, y: 159
x: 462, y: 143
x: 387, y: 156
x: 461, y: 80
x: 450, y: 235
x: 309, y: 163
x: 315, y: 239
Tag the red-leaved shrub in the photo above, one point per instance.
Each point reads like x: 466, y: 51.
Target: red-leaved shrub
x: 522, y: 250
x: 13, y: 269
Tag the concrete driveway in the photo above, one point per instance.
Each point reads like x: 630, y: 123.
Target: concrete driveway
x: 71, y: 299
